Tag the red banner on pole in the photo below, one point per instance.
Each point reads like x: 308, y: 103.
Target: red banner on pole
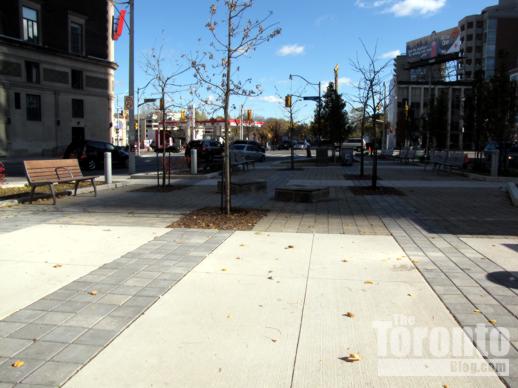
x: 118, y: 25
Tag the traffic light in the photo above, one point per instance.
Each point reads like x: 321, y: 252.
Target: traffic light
x: 287, y: 101
x: 162, y: 104
x: 182, y: 115
x: 249, y: 115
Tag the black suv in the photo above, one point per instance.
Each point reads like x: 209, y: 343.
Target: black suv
x: 90, y: 154
x: 209, y: 153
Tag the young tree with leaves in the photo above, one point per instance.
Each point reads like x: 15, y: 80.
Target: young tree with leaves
x: 233, y: 35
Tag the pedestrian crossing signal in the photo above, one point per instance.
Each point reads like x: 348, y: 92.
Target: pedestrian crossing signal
x: 287, y: 101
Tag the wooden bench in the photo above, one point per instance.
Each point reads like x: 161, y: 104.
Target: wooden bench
x: 50, y: 172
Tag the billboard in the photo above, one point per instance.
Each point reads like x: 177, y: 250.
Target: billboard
x: 435, y: 45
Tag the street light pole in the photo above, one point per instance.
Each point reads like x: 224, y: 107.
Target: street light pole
x: 131, y: 161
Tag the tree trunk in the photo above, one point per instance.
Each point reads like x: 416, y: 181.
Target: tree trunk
x: 163, y: 140
x: 226, y: 109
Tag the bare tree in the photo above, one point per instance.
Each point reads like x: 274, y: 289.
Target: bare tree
x: 371, y: 96
x: 233, y: 36
x: 165, y: 82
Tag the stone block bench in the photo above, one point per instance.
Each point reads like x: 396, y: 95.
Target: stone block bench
x: 301, y: 194
x: 245, y: 186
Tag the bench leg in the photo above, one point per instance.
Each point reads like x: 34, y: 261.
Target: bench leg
x: 33, y: 188
x: 53, y: 192
x: 93, y: 185
x: 75, y: 188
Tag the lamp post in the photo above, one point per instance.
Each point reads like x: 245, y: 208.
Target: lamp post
x: 319, y: 102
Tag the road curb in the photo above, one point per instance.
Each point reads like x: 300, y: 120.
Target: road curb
x: 512, y: 189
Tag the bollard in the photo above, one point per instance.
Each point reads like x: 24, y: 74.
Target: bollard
x: 108, y: 168
x: 495, y: 159
x: 194, y: 161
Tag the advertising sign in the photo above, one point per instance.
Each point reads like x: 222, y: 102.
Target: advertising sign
x: 435, y: 45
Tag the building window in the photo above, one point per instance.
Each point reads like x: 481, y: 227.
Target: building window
x: 33, y: 103
x: 462, y: 27
x: 469, y: 37
x: 30, y: 25
x: 77, y: 79
x: 78, y: 109
x: 469, y: 49
x: 76, y: 38
x: 470, y: 24
x: 32, y: 72
x: 480, y: 24
x: 17, y: 101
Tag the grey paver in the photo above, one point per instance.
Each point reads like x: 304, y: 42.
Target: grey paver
x: 96, y: 337
x: 8, y: 374
x: 64, y: 334
x: 113, y: 299
x: 24, y: 316
x: 54, y: 318
x: 77, y: 354
x: 40, y: 350
x: 7, y: 328
x: 10, y: 346
x: 52, y: 373
x: 32, y: 331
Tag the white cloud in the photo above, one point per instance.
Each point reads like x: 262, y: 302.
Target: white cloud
x: 390, y: 54
x: 270, y: 99
x: 404, y: 7
x: 292, y: 49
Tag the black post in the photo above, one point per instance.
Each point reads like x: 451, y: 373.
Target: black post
x: 291, y: 139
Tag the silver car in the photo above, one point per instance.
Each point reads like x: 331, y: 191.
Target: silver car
x: 248, y: 152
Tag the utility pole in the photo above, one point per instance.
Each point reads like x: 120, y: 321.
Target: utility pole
x: 131, y: 161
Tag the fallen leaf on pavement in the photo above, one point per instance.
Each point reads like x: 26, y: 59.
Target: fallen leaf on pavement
x: 18, y: 364
x: 238, y: 258
x: 93, y: 292
x: 57, y: 266
x: 273, y: 340
x: 348, y: 315
x: 344, y: 261
x: 415, y: 261
x: 409, y: 294
x: 241, y: 245
x: 289, y: 247
x: 492, y: 321
x: 368, y: 282
x: 270, y: 277
x: 476, y: 311
x: 353, y: 357
x: 223, y: 270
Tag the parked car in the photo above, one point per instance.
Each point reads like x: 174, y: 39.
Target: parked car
x: 355, y: 143
x: 90, y: 154
x: 250, y: 142
x: 169, y: 148
x: 209, y: 153
x: 249, y: 152
x: 299, y: 145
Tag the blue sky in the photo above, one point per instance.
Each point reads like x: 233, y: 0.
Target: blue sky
x: 316, y: 35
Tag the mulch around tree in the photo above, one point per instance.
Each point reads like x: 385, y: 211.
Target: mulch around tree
x: 160, y: 189
x: 213, y: 218
x: 368, y: 190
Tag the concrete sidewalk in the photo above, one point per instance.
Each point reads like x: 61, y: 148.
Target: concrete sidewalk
x: 266, y: 310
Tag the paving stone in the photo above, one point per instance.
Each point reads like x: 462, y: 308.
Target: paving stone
x: 71, y: 307
x: 24, y: 316
x: 128, y: 311
x: 52, y: 373
x: 113, y: 299
x: 44, y: 304
x: 64, y: 334
x: 115, y: 323
x: 7, y: 328
x: 152, y: 291
x: 61, y: 294
x: 54, y: 318
x: 32, y: 331
x: 136, y: 281
x: 83, y: 320
x: 8, y: 374
x: 77, y: 354
x: 10, y: 346
x: 86, y: 297
x: 126, y: 290
x: 96, y: 337
x: 40, y: 350
x: 140, y: 301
